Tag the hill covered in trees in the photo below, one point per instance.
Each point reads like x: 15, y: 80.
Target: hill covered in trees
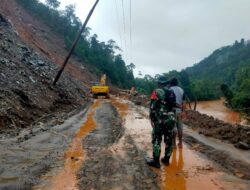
x: 102, y: 56
x: 224, y: 66
x: 226, y: 72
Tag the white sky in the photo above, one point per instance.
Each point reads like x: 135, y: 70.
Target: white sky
x: 167, y: 34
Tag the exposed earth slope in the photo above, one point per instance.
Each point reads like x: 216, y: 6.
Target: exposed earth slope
x: 40, y: 37
x: 27, y: 93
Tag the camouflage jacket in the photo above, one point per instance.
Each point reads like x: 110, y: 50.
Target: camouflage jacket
x: 162, y: 102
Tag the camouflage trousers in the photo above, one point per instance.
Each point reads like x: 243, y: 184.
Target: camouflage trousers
x: 163, y: 127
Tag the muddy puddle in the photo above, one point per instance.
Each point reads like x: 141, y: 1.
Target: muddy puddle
x: 218, y: 110
x: 188, y: 169
x: 73, y: 158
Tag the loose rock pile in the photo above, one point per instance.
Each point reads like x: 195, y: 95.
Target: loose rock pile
x: 26, y: 90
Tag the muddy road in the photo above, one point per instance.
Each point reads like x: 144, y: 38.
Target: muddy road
x: 105, y: 147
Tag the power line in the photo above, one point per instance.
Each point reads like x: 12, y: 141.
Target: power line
x: 124, y: 28
x: 75, y: 43
x: 130, y: 15
x: 118, y: 24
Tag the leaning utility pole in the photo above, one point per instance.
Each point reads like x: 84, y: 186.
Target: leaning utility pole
x: 74, y: 44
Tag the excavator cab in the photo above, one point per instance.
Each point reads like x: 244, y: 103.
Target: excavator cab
x: 100, y: 89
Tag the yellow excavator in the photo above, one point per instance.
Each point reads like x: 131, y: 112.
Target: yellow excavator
x: 100, y: 89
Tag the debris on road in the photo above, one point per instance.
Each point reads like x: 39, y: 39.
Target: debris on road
x: 236, y: 134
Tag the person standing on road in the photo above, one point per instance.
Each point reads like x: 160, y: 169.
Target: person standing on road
x: 179, y: 108
x: 163, y: 121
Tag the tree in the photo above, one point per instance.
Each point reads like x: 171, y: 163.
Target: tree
x: 131, y: 67
x: 69, y: 12
x: 242, y: 41
x: 227, y: 93
x: 146, y: 84
x: 100, y: 56
x: 148, y: 78
x: 53, y: 3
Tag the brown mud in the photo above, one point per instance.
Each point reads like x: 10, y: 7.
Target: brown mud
x: 235, y: 134
x: 189, y: 168
x: 218, y: 110
x: 109, y: 157
x: 231, y: 163
x: 107, y: 149
x: 26, y: 157
x: 66, y: 178
x: 113, y: 161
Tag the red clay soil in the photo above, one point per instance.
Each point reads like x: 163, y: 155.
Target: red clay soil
x: 40, y: 37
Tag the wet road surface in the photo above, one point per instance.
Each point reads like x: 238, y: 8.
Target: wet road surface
x: 122, y: 160
x: 66, y: 178
x: 188, y: 169
x: 24, y: 158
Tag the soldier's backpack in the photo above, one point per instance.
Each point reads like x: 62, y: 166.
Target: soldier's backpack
x: 170, y: 99
x: 162, y: 100
x: 165, y: 99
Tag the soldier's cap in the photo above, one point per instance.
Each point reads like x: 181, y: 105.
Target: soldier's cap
x: 162, y: 80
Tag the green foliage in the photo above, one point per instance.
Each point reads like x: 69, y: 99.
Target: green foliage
x: 97, y: 54
x: 227, y: 93
x: 241, y: 100
x: 229, y: 66
x: 145, y: 85
x: 53, y: 3
x: 225, y: 72
x: 183, y: 80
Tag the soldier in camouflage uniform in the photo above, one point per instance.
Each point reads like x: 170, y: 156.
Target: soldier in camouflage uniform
x: 163, y: 121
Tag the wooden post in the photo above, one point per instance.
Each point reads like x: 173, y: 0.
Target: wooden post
x: 188, y: 101
x: 75, y: 43
x: 195, y: 104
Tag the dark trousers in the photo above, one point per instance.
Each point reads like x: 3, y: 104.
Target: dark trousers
x: 164, y: 129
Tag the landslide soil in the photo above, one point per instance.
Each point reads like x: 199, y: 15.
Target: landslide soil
x: 27, y: 95
x: 235, y: 134
x: 40, y: 37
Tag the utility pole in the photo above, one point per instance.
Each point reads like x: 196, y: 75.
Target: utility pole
x: 75, y: 43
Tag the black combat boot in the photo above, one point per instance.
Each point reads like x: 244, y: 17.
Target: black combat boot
x: 165, y: 160
x: 154, y: 163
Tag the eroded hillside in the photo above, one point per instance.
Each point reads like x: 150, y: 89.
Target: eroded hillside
x: 40, y: 37
x: 26, y: 75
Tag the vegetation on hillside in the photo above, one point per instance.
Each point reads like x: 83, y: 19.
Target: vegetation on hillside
x: 226, y: 72
x: 102, y: 55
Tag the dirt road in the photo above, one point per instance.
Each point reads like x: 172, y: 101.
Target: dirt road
x: 189, y: 169
x: 108, y: 151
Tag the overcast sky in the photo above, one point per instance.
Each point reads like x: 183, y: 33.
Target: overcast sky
x: 167, y: 34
